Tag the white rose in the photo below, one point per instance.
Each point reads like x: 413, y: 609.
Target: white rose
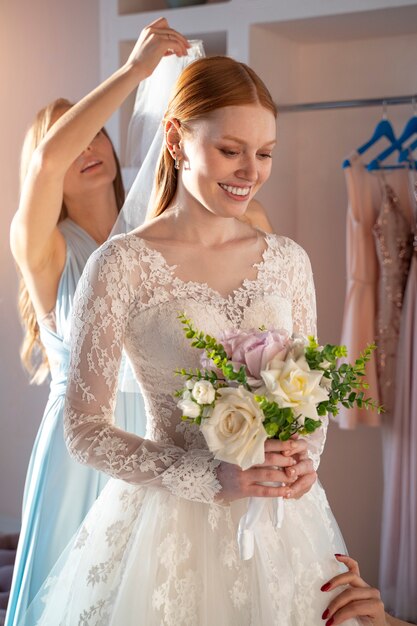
x: 203, y: 392
x: 188, y: 406
x: 235, y: 432
x: 293, y: 384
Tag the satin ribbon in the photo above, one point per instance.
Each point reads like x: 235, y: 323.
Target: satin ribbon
x: 248, y: 522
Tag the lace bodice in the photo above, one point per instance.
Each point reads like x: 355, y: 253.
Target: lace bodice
x: 130, y: 297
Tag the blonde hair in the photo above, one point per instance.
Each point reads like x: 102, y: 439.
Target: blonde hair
x: 204, y: 86
x: 32, y: 351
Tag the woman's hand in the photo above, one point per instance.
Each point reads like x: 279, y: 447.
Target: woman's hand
x: 155, y: 41
x: 285, y: 462
x: 357, y: 600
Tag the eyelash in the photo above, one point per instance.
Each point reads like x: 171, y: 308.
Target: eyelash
x: 232, y: 153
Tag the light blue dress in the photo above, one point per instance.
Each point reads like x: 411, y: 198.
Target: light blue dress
x: 59, y: 491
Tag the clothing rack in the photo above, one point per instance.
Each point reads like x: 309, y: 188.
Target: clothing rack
x: 348, y: 104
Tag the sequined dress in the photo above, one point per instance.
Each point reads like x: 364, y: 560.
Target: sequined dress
x: 157, y: 548
x: 398, y: 564
x: 393, y: 242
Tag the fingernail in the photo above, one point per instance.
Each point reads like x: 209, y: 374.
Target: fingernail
x: 291, y: 471
x: 326, y: 587
x: 325, y: 614
x: 330, y: 622
x: 288, y: 494
x: 337, y: 554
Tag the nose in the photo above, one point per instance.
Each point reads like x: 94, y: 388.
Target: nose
x: 88, y: 148
x: 248, y: 168
x: 85, y: 151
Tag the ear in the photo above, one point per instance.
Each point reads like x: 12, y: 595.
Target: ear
x: 173, y: 137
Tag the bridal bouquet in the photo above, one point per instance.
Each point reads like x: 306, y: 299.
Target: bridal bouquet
x: 264, y: 383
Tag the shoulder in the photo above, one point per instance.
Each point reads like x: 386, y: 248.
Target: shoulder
x: 257, y: 216
x: 127, y: 256
x: 118, y: 247
x: 282, y: 246
x: 286, y: 255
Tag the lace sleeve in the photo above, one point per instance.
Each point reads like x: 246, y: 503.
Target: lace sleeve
x: 102, y: 304
x: 305, y: 323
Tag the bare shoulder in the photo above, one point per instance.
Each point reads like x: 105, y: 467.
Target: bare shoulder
x: 257, y: 217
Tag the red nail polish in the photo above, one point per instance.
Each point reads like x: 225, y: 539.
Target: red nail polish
x: 330, y: 622
x: 339, y: 555
x: 325, y: 614
x: 326, y: 587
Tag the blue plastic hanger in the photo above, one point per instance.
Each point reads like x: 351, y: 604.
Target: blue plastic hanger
x: 406, y: 152
x: 409, y: 130
x: 382, y: 129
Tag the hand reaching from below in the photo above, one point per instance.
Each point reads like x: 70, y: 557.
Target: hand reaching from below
x: 358, y: 599
x: 285, y: 462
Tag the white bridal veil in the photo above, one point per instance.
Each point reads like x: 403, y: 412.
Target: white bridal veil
x: 145, y: 135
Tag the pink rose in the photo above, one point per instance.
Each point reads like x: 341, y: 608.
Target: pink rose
x: 254, y: 349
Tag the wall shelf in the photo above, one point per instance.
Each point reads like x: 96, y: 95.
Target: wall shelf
x: 226, y: 27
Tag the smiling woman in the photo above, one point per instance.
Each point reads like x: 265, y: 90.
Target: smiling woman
x: 159, y: 546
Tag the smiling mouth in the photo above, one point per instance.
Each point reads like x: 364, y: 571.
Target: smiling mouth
x: 243, y: 192
x: 90, y: 165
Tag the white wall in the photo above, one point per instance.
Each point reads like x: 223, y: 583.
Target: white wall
x: 47, y: 49
x: 306, y: 198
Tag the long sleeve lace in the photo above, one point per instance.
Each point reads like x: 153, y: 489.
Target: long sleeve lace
x: 305, y: 323
x: 104, y: 300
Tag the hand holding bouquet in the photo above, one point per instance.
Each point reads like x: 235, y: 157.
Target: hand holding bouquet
x: 260, y: 384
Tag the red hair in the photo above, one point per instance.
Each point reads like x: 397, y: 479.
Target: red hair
x: 204, y: 86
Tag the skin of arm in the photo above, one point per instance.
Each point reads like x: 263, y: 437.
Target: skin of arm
x: 37, y: 245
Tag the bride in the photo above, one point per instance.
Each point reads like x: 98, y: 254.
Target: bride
x: 159, y: 546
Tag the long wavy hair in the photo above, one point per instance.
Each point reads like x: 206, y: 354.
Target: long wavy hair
x: 205, y: 85
x: 32, y: 351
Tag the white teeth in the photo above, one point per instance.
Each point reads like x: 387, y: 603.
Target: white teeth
x: 236, y: 191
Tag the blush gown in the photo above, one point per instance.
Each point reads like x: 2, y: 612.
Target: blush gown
x: 398, y: 564
x: 156, y: 548
x: 59, y: 491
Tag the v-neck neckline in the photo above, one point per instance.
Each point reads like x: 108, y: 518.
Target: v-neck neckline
x: 245, y: 284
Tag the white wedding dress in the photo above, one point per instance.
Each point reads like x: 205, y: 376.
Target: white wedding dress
x: 156, y: 549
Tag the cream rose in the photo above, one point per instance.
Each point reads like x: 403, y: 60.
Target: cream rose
x: 203, y: 392
x: 235, y: 432
x: 293, y: 384
x: 188, y: 406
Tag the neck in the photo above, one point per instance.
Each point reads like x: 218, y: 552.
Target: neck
x: 196, y: 224
x: 96, y: 213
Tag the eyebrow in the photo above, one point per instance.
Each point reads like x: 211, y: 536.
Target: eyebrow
x: 237, y: 140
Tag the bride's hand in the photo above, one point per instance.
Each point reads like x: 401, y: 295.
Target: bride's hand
x: 285, y: 462
x: 357, y: 600
x: 155, y: 41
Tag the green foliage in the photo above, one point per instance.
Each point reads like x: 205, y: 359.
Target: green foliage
x: 281, y: 422
x: 214, y: 351
x: 345, y: 382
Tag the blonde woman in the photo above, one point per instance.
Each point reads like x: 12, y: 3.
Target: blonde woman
x: 71, y: 194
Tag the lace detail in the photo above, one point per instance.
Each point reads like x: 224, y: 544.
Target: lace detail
x: 129, y: 298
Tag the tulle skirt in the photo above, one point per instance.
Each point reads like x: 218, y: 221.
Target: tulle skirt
x: 145, y: 557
